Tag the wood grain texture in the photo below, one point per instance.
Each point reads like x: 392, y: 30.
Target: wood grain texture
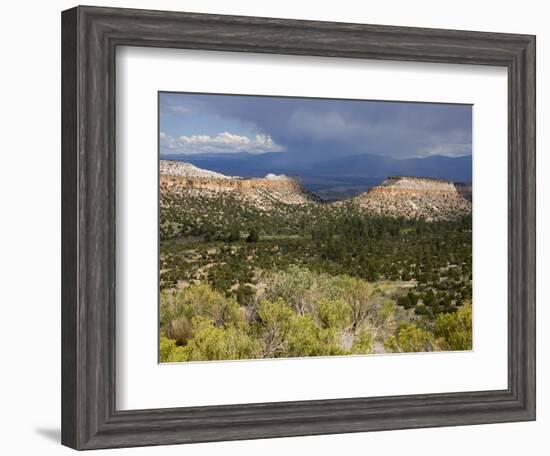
x: 89, y: 39
x: 69, y: 233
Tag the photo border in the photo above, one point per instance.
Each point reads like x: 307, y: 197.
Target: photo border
x: 90, y: 36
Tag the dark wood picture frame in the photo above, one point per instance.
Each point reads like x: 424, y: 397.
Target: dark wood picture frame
x: 90, y: 36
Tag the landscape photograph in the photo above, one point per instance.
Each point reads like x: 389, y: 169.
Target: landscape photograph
x: 295, y: 227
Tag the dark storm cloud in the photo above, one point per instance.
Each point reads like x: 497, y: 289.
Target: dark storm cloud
x: 319, y: 128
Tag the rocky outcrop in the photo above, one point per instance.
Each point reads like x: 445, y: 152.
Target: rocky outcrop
x: 400, y: 196
x: 263, y: 192
x: 406, y: 184
x: 177, y: 168
x: 415, y: 198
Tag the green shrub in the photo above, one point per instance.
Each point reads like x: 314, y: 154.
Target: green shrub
x: 297, y: 286
x: 421, y: 309
x: 274, y: 327
x: 305, y: 338
x: 169, y: 352
x: 306, y: 312
x: 334, y: 314
x: 234, y: 236
x: 359, y: 296
x: 286, y: 333
x: 363, y: 341
x: 178, y: 307
x: 210, y: 342
x: 245, y: 295
x: 178, y: 329
x: 410, y: 338
x: 385, y: 315
x: 454, y: 330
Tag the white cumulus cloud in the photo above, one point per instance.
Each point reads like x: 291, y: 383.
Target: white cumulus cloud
x: 224, y: 142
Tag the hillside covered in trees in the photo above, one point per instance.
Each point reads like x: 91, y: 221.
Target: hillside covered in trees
x: 260, y: 277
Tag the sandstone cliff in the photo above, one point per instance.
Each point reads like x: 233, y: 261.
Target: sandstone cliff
x: 415, y: 198
x: 401, y: 196
x: 263, y: 192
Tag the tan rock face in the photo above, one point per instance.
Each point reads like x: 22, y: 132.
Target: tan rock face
x: 183, y: 178
x: 409, y: 197
x: 415, y: 197
x: 415, y: 184
x: 263, y: 192
x: 229, y: 185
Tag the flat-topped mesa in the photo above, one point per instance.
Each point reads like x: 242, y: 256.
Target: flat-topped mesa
x: 408, y: 184
x: 230, y: 184
x: 177, y: 168
x: 415, y: 198
x: 263, y: 192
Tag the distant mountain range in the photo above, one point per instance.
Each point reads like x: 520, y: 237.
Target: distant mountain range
x: 334, y: 178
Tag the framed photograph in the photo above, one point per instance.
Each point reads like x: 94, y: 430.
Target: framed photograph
x: 283, y: 228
